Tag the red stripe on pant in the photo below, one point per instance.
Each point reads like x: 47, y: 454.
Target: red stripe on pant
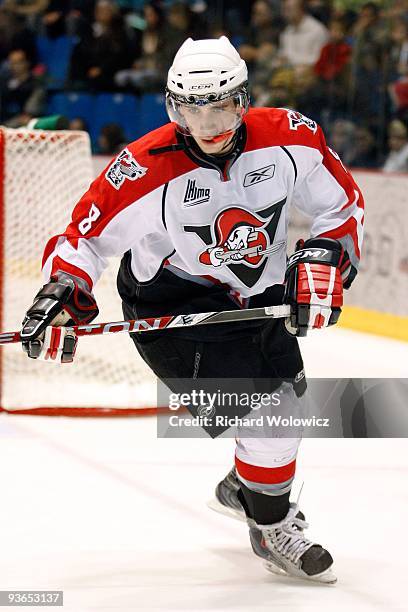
x: 265, y: 475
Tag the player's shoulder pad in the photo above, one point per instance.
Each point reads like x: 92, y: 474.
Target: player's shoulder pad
x: 281, y: 127
x: 135, y: 172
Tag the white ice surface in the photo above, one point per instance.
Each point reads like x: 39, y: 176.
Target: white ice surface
x: 118, y: 519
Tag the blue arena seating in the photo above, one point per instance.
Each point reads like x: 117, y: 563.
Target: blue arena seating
x: 136, y: 114
x: 152, y: 112
x: 116, y: 108
x: 55, y: 54
x: 72, y: 105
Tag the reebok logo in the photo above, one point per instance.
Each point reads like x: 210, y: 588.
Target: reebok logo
x: 257, y: 176
x: 195, y: 195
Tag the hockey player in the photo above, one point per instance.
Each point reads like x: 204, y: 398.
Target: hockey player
x: 199, y: 209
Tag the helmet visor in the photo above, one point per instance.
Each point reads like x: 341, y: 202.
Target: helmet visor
x: 205, y: 118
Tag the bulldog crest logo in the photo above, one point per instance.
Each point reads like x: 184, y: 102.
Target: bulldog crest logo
x: 124, y: 167
x: 241, y: 240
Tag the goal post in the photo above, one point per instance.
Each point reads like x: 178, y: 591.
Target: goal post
x: 42, y: 175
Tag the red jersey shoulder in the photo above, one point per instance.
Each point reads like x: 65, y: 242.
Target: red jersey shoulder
x: 160, y: 137
x: 136, y: 170
x: 131, y: 175
x: 280, y: 127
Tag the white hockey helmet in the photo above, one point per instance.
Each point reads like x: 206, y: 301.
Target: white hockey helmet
x: 207, y: 73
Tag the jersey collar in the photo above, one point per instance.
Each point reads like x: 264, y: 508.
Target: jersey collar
x: 221, y: 163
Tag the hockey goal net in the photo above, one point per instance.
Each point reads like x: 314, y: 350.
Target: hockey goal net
x: 42, y: 175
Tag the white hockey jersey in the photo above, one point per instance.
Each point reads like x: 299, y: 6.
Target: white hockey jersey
x: 184, y: 224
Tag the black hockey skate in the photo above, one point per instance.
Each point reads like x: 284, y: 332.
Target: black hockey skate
x: 286, y: 551
x: 226, y: 499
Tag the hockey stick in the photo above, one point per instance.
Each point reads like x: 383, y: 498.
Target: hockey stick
x: 171, y: 321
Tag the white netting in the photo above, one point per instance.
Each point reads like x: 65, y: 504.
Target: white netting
x: 44, y: 174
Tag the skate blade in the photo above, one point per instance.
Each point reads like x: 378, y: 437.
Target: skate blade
x: 215, y: 505
x: 326, y: 577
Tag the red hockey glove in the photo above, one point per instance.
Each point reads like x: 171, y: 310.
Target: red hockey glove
x: 65, y: 300
x: 314, y: 286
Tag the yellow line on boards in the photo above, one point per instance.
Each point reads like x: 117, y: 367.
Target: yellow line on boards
x: 374, y: 322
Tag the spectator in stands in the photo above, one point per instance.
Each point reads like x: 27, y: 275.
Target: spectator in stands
x: 347, y: 15
x: 181, y: 24
x: 21, y: 94
x: 397, y: 9
x: 102, y: 53
x: 25, y: 8
x: 369, y: 47
x: 299, y: 47
x: 370, y: 37
x: 364, y: 153
x: 14, y: 34
x: 79, y: 124
x: 303, y: 37
x: 111, y: 139
x: 53, y: 19
x: 341, y: 139
x: 280, y: 91
x: 79, y: 17
x: 148, y: 71
x: 30, y: 10
x: 262, y: 37
x: 398, y: 67
x: 397, y: 159
x: 230, y: 16
x: 259, y: 47
x: 335, y: 55
x: 327, y: 90
x: 321, y: 10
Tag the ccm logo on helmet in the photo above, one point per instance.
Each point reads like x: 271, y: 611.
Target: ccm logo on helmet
x: 313, y: 253
x: 201, y: 86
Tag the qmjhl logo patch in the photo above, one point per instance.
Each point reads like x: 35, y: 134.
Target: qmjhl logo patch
x: 260, y: 175
x: 195, y: 195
